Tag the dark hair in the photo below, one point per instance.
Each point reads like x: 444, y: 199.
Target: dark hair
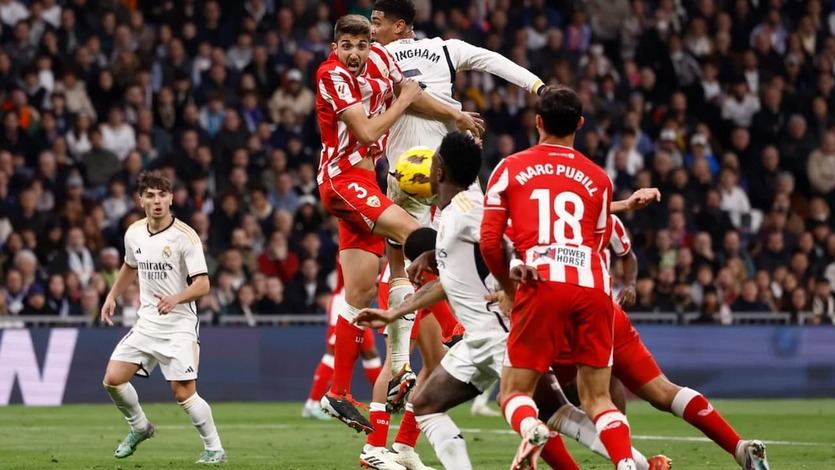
x: 561, y: 110
x: 420, y: 241
x: 461, y: 158
x: 153, y: 180
x: 397, y: 10
x: 354, y: 25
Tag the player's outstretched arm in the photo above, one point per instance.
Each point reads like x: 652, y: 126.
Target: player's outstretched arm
x: 638, y: 200
x: 199, y: 287
x: 429, y: 294
x: 368, y: 131
x: 125, y: 278
x: 469, y: 57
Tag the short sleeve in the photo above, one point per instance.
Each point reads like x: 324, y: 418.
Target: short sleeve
x: 130, y: 256
x: 619, y: 241
x: 496, y: 195
x: 194, y: 258
x: 339, y: 89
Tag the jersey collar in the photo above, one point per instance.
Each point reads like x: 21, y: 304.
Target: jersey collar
x: 151, y: 234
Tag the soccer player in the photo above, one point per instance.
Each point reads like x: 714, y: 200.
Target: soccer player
x: 355, y: 112
x: 636, y: 368
x: 434, y: 63
x: 559, y: 203
x: 168, y: 257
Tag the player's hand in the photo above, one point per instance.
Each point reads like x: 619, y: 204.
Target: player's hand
x: 643, y: 197
x: 107, y: 311
x: 627, y: 296
x: 373, y: 318
x: 410, y: 91
x: 165, y: 304
x: 500, y: 297
x: 469, y: 121
x: 524, y: 273
x: 421, y: 265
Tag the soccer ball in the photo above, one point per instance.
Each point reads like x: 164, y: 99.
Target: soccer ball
x: 412, y: 172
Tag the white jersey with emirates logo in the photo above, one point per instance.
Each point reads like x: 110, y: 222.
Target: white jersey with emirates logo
x: 166, y: 262
x: 433, y: 62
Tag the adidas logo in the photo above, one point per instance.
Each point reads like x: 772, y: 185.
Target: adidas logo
x: 706, y: 411
x: 189, y: 370
x: 138, y: 251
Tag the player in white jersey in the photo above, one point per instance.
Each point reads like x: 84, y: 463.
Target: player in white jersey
x: 167, y: 255
x: 474, y: 363
x: 433, y: 63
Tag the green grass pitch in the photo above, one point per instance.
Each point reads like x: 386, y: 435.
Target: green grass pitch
x: 801, y: 435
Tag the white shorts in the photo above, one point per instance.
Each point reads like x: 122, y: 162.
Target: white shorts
x: 476, y: 361
x: 178, y: 357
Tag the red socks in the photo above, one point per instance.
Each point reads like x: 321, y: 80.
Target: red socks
x: 409, y: 432
x: 556, y: 455
x: 447, y: 320
x: 372, y: 368
x: 379, y: 418
x: 321, y: 378
x: 520, y: 412
x: 694, y: 408
x: 348, y: 337
x: 613, y: 430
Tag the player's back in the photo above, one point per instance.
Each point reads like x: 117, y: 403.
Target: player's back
x: 558, y: 202
x: 462, y: 271
x: 425, y: 61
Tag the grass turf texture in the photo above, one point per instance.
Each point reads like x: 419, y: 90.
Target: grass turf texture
x: 272, y: 435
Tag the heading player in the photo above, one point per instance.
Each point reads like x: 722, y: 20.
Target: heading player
x: 434, y: 63
x: 168, y: 257
x: 570, y: 198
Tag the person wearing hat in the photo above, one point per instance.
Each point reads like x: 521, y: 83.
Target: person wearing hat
x: 700, y: 149
x: 35, y: 302
x: 293, y: 95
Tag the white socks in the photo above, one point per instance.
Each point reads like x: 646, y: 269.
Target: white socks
x: 574, y: 423
x: 446, y: 439
x: 127, y: 401
x: 201, y: 417
x: 400, y: 330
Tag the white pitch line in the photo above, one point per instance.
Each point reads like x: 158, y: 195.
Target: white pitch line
x: 637, y: 437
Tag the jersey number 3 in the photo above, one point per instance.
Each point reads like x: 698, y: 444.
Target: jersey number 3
x: 566, y: 220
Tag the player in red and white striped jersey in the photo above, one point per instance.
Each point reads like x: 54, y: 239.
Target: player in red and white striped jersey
x: 570, y: 198
x: 355, y: 111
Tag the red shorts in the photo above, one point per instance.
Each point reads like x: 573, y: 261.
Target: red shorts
x: 355, y: 198
x: 547, y: 316
x: 633, y: 363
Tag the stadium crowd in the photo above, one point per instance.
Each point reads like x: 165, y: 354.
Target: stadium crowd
x: 724, y: 105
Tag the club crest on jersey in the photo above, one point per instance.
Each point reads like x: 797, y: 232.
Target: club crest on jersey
x: 373, y: 201
x: 166, y: 251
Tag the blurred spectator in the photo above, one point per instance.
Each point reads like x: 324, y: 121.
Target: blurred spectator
x: 76, y: 258
x: 306, y: 287
x: 749, y: 300
x: 273, y: 302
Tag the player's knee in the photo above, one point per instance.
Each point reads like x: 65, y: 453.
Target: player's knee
x: 423, y: 406
x: 660, y: 393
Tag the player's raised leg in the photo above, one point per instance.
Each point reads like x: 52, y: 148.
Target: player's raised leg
x: 198, y: 409
x: 117, y: 383
x: 693, y: 407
